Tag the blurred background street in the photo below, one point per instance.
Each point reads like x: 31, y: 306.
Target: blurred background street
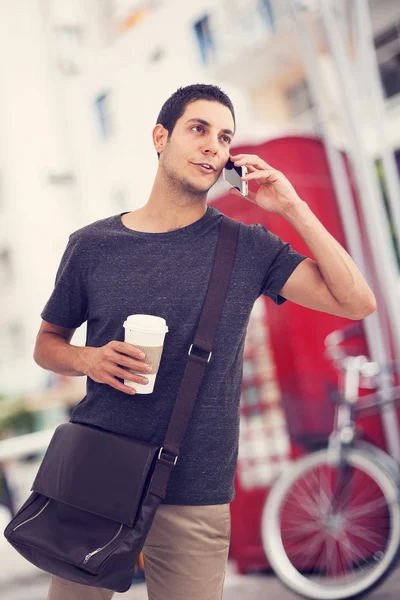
x: 316, y: 90
x: 33, y: 585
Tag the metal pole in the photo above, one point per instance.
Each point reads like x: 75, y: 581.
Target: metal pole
x: 339, y: 175
x: 374, y: 324
x: 372, y: 205
x: 368, y: 65
x: 370, y: 193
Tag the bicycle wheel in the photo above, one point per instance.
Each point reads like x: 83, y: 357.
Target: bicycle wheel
x: 326, y: 540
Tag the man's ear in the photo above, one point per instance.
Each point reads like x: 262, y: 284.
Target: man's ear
x: 160, y: 135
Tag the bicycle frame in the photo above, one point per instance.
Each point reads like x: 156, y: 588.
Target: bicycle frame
x: 345, y: 434
x: 344, y: 431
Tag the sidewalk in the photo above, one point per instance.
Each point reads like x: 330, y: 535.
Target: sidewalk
x: 19, y: 580
x: 32, y: 584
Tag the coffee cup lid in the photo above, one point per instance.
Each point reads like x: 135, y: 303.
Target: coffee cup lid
x: 147, y: 323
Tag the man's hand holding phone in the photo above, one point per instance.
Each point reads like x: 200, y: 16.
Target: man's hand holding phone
x: 275, y: 192
x: 233, y: 175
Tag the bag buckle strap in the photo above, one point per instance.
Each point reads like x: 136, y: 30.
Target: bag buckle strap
x: 201, y: 357
x: 172, y: 460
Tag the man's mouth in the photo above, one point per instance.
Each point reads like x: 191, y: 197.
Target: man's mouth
x: 205, y: 168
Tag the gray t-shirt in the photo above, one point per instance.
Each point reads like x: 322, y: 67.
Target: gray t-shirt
x: 108, y: 272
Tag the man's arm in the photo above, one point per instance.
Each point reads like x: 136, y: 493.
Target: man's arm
x: 333, y: 283
x: 54, y: 352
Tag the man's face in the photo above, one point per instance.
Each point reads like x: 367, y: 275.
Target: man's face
x: 202, y: 135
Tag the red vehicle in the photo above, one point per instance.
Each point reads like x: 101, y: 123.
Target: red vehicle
x: 288, y: 384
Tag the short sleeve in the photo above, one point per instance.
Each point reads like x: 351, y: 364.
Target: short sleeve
x: 68, y: 303
x: 276, y: 260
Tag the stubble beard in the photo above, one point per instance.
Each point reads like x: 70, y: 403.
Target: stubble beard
x: 184, y: 185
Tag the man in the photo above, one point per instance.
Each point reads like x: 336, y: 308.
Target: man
x: 158, y: 260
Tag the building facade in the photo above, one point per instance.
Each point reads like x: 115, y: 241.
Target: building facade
x: 83, y: 84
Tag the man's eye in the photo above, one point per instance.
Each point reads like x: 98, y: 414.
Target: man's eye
x: 224, y: 137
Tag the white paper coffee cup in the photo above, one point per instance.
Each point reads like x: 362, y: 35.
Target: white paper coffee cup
x: 147, y: 333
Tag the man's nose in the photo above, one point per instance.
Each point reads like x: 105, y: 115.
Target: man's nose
x: 211, y: 146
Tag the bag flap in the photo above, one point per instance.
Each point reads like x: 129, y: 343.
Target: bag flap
x: 96, y: 471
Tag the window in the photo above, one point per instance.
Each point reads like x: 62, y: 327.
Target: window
x: 66, y: 178
x: 205, y: 39
x: 299, y: 99
x: 6, y: 273
x: 157, y: 55
x: 103, y: 114
x: 264, y: 446
x: 70, y: 45
x: 281, y: 11
x: 265, y: 9
x: 388, y: 53
x: 397, y: 157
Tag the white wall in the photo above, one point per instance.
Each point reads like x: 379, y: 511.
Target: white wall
x: 50, y: 128
x: 37, y: 215
x: 138, y: 89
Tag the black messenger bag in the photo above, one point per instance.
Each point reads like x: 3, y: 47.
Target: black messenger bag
x: 96, y: 493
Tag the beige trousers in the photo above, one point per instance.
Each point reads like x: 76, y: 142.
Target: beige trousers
x: 185, y: 557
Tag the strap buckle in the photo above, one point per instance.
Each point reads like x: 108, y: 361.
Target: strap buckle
x: 209, y: 354
x: 167, y: 457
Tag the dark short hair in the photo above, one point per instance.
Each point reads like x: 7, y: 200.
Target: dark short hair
x: 175, y: 106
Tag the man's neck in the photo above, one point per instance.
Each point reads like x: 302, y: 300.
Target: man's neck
x: 162, y: 212
x: 139, y: 220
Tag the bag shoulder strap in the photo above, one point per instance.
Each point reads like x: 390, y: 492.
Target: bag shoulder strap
x: 204, y: 337
x: 196, y: 364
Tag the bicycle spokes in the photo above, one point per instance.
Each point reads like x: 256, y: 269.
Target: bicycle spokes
x: 335, y: 523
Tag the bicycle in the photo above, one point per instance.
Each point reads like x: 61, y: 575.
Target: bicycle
x: 331, y: 524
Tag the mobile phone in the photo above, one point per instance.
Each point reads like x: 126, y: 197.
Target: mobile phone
x: 232, y: 174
